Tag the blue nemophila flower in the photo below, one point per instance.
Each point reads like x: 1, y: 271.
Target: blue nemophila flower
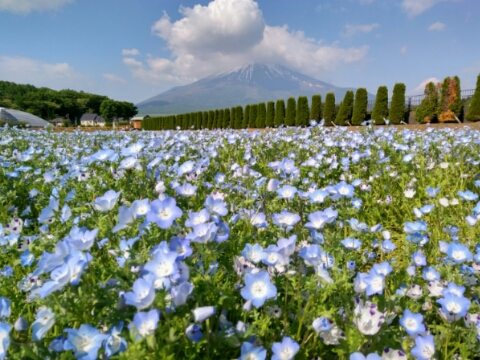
x: 203, y: 233
x: 253, y: 253
x: 375, y: 283
x: 318, y: 196
x: 432, y: 192
x: 287, y: 192
x: 164, y: 212
x: 180, y: 293
x: 412, y: 323
x: 27, y: 258
x: 194, y: 332
x: 85, y: 342
x: 424, y: 347
x: 344, y: 190
x: 107, y: 201
x: 322, y: 324
x: 21, y: 324
x: 430, y: 274
x: 4, y: 339
x: 358, y: 226
x: 145, y: 323
x: 311, y: 254
x: 57, y: 344
x: 419, y: 259
x: 285, y: 350
x: 114, y: 343
x: 318, y: 219
x: 125, y: 217
x: 81, y: 238
x: 467, y: 195
x: 182, y: 247
x: 416, y: 226
x: 5, y: 307
x: 351, y: 244
x: 388, y: 246
x: 453, y: 288
x: 186, y: 168
x: 285, y: 219
x: 356, y: 203
x: 142, y: 295
x: 383, y: 268
x: 459, y: 253
x: 360, y: 356
x: 203, y: 313
x: 186, y: 190
x: 196, y: 218
x: 351, y: 266
x: 45, y: 319
x: 454, y: 305
x: 258, y: 288
x: 251, y: 352
x: 163, y: 264
x: 216, y: 207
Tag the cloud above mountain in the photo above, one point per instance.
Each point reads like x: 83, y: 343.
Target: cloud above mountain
x: 27, y: 6
x: 229, y: 33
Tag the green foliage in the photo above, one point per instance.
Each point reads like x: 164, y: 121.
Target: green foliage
x: 450, y: 105
x: 291, y: 111
x: 329, y: 109
x: 270, y: 117
x: 246, y: 117
x: 221, y: 117
x: 215, y: 120
x: 279, y: 113
x: 302, y: 115
x: 427, y: 111
x: 380, y: 109
x: 252, y: 120
x: 316, y: 108
x: 473, y: 113
x: 205, y: 120
x: 360, y: 106
x: 397, y: 108
x: 211, y: 116
x: 238, y: 117
x: 261, y: 115
x: 345, y: 110
x: 226, y: 119
x: 233, y: 112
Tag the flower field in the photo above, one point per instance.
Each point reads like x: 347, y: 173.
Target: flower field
x: 285, y: 244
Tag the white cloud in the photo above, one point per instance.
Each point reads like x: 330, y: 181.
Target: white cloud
x: 420, y: 89
x: 351, y: 30
x: 132, y: 52
x: 416, y: 7
x: 229, y: 33
x: 438, y: 26
x: 29, y: 71
x: 114, y: 79
x: 26, y: 6
x: 403, y: 50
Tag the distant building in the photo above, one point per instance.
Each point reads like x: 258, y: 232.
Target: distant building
x: 16, y: 116
x: 137, y: 121
x: 57, y: 121
x: 92, y: 120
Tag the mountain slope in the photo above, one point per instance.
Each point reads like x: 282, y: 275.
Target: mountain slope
x: 248, y: 84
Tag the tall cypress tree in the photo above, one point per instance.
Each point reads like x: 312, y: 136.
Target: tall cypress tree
x: 316, y: 108
x: 226, y: 119
x: 246, y: 116
x: 329, y: 109
x: 473, y: 113
x: 427, y: 111
x: 186, y: 121
x: 270, y: 117
x: 360, y: 106
x: 397, y: 108
x: 261, y: 116
x: 302, y: 115
x: 232, y: 123
x: 238, y: 117
x: 198, y: 124
x: 380, y: 109
x: 205, y: 120
x: 221, y: 115
x: 211, y: 115
x: 291, y: 111
x: 345, y: 111
x: 279, y: 113
x: 252, y: 120
x: 215, y: 119
x: 451, y: 102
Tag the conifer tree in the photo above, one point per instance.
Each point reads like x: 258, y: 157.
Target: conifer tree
x: 198, y: 124
x: 221, y: 115
x: 270, y: 117
x: 360, y: 106
x: 450, y: 105
x: 215, y: 119
x: 302, y: 115
x: 316, y: 108
x: 261, y: 115
x: 427, y: 111
x: 211, y: 115
x: 345, y: 111
x: 186, y: 121
x: 246, y: 116
x: 290, y: 112
x: 238, y: 117
x: 380, y: 109
x: 232, y: 123
x: 279, y: 113
x: 473, y: 113
x: 252, y: 120
x: 397, y: 108
x: 205, y: 120
x: 329, y: 109
x: 226, y: 119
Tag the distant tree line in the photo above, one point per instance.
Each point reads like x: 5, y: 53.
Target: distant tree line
x: 49, y: 104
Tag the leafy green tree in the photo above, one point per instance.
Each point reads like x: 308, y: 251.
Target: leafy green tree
x: 397, y: 108
x: 226, y: 119
x: 270, y: 117
x: 473, y: 113
x: 360, y: 106
x: 427, y: 111
x: 246, y: 117
x: 316, y: 108
x: 238, y: 117
x: 329, y: 109
x: 345, y: 111
x: 252, y: 121
x: 302, y: 115
x: 380, y: 109
x: 291, y: 112
x: 261, y: 115
x: 279, y: 113
x: 109, y: 109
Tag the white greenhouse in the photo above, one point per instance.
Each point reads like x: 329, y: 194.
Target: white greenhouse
x: 17, y: 116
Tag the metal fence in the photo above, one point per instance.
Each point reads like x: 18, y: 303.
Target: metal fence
x: 414, y: 101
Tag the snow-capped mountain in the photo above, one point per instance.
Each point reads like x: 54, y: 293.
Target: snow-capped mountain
x: 247, y: 84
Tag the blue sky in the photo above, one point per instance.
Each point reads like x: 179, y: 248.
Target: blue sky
x: 134, y: 49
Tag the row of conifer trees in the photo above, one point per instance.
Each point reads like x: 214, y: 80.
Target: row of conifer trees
x: 441, y: 102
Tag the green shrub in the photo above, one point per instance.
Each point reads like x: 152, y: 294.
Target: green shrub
x: 345, y: 110
x: 397, y: 108
x: 290, y: 112
x: 316, y: 108
x: 226, y: 119
x: 232, y: 123
x: 329, y: 109
x: 427, y: 111
x: 360, y: 106
x: 238, y: 117
x: 279, y: 113
x: 246, y: 116
x: 205, y: 120
x: 252, y: 120
x: 450, y: 106
x: 270, y: 117
x: 261, y: 115
x: 380, y: 109
x: 302, y: 115
x: 473, y: 113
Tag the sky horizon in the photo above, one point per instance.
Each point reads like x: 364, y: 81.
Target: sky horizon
x: 132, y: 50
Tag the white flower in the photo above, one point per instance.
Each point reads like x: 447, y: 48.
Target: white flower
x: 443, y: 202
